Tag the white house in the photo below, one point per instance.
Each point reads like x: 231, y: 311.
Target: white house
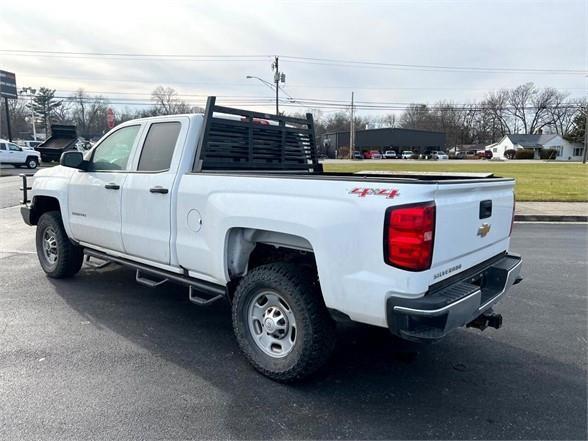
x: 566, y: 151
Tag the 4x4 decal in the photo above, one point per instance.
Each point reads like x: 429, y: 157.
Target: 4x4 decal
x: 389, y: 193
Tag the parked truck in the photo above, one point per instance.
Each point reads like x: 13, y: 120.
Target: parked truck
x: 235, y: 205
x: 63, y: 138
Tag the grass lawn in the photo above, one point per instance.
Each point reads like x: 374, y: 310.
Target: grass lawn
x: 535, y: 182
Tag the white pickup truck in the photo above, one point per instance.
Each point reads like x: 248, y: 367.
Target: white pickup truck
x: 235, y: 205
x: 18, y: 156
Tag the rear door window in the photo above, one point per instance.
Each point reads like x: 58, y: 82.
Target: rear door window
x: 159, y: 145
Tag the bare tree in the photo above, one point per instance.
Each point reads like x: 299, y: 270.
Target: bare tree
x: 542, y: 101
x: 496, y: 105
x: 563, y: 112
x: 416, y: 116
x: 519, y: 99
x: 62, y: 114
x: 167, y: 102
x: 19, y: 118
x: 389, y: 120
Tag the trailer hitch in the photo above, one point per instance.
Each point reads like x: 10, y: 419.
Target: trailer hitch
x: 487, y: 319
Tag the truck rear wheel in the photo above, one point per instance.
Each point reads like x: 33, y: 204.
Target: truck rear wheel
x: 281, y: 323
x: 58, y: 256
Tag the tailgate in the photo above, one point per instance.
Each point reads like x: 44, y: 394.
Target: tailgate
x: 473, y: 222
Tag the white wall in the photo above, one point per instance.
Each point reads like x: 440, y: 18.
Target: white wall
x: 500, y: 147
x: 566, y: 148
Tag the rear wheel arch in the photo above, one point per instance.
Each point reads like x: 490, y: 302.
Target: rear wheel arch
x: 248, y: 248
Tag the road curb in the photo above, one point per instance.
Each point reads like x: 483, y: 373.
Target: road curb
x: 549, y: 218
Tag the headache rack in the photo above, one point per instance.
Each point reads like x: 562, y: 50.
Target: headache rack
x: 242, y: 140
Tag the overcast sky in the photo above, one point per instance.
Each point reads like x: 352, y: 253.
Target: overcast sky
x: 515, y: 34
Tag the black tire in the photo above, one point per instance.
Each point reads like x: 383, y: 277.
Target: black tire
x: 32, y: 162
x: 68, y: 258
x: 314, y: 330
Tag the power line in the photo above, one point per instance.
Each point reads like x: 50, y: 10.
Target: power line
x: 378, y: 64
x: 338, y: 106
x: 134, y: 56
x: 294, y: 59
x: 234, y: 84
x: 291, y: 99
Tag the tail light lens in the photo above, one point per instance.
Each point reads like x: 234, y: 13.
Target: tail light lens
x: 409, y: 234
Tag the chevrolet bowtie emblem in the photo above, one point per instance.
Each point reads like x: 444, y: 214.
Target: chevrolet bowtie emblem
x: 484, y: 230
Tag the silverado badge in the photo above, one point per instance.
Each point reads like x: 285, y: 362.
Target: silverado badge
x: 484, y: 230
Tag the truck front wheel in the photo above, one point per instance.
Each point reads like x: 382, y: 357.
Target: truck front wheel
x: 58, y: 256
x: 281, y: 323
x: 32, y: 162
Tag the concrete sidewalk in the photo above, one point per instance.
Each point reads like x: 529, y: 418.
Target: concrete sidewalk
x: 552, y: 211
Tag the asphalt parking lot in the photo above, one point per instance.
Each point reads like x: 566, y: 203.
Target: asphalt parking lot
x: 100, y: 357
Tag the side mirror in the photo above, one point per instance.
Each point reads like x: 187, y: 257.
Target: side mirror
x: 72, y: 159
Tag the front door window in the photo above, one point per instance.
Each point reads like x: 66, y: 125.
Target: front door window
x: 113, y: 153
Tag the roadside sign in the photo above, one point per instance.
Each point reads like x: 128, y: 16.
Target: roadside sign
x: 8, y: 85
x: 110, y: 118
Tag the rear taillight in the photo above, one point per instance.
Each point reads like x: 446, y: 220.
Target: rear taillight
x: 409, y: 234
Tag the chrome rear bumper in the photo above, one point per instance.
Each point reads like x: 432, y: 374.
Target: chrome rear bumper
x: 446, y: 308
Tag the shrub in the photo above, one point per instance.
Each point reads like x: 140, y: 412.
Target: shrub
x: 548, y: 153
x: 525, y: 154
x: 510, y: 154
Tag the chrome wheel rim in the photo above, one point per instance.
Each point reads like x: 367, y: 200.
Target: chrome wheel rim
x: 32, y: 164
x: 50, y: 245
x: 272, y: 324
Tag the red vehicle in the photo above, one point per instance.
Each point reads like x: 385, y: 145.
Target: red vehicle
x: 372, y: 154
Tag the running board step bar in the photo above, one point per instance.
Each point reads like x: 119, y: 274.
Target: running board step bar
x: 200, y: 291
x: 140, y: 278
x: 90, y: 263
x: 198, y: 298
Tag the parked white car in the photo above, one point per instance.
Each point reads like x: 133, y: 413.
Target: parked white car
x: 10, y: 153
x: 407, y: 154
x: 28, y: 144
x: 390, y: 154
x: 235, y: 205
x: 439, y: 155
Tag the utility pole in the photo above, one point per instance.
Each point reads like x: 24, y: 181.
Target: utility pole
x: 31, y: 93
x: 351, y: 131
x: 7, y: 119
x: 279, y: 77
x: 277, y: 81
x: 585, y: 135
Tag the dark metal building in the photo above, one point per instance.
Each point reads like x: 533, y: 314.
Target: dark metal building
x: 385, y: 139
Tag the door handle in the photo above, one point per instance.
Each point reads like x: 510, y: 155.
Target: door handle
x: 112, y: 186
x: 159, y: 189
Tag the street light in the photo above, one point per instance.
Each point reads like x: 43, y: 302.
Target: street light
x: 31, y: 93
x: 276, y: 87
x: 268, y: 84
